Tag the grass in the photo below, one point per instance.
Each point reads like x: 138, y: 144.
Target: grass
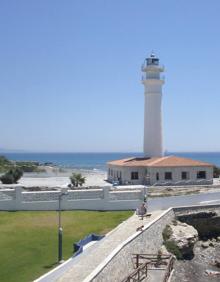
x: 28, y: 240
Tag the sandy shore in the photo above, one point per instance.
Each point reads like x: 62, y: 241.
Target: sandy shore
x: 55, y: 178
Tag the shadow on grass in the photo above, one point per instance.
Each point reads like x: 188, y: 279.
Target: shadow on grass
x: 51, y: 265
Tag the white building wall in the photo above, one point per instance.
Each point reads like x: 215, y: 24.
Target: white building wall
x: 177, y: 175
x: 147, y: 175
x: 126, y: 174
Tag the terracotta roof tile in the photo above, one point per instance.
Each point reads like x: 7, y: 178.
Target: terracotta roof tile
x: 167, y: 161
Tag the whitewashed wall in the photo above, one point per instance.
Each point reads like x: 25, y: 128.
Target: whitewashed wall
x: 177, y: 177
x: 176, y: 174
x: 92, y: 199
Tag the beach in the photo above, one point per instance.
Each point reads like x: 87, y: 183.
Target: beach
x: 56, y: 177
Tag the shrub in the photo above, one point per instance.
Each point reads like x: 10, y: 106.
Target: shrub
x: 167, y: 232
x: 216, y: 172
x: 7, y: 179
x: 12, y: 176
x: 17, y: 173
x: 172, y: 248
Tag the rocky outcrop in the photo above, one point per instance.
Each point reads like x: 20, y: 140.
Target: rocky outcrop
x: 205, y: 265
x: 180, y: 238
x: 207, y: 223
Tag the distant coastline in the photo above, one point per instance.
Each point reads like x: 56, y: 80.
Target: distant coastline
x: 97, y: 161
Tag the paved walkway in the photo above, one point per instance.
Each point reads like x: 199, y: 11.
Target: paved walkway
x: 78, y: 268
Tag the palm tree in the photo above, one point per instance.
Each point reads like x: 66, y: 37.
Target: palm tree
x: 77, y: 179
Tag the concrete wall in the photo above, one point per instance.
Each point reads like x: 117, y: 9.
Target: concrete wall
x: 92, y: 199
x: 119, y: 263
x: 147, y: 176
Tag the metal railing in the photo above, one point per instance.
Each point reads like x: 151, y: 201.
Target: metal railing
x: 138, y: 274
x: 145, y: 262
x: 169, y: 269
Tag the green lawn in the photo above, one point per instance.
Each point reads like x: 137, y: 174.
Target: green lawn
x: 28, y: 240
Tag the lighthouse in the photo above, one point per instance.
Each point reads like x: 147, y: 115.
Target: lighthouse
x: 154, y: 168
x: 153, y: 139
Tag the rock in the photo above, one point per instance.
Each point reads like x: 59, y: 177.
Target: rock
x: 184, y: 236
x: 218, y: 239
x: 211, y: 244
x: 217, y: 262
x: 205, y: 244
x: 164, y: 250
x: 210, y: 272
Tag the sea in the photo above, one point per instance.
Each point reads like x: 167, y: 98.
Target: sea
x: 97, y: 161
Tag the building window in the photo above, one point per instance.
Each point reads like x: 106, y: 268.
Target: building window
x: 201, y: 174
x: 168, y: 176
x: 185, y: 175
x: 134, y: 175
x: 157, y: 176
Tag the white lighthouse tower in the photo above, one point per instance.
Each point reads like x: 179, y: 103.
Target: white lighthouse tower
x: 153, y: 141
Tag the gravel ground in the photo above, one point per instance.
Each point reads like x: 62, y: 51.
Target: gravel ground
x: 195, y: 270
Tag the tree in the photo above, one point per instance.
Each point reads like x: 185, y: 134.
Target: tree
x: 12, y: 176
x: 77, y: 179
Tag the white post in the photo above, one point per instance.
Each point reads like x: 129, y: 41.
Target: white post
x: 106, y: 193
x: 18, y: 198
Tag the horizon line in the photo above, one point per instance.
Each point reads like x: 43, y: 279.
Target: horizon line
x: 94, y: 152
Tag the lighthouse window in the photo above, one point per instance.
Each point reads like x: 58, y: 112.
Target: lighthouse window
x: 168, y: 176
x: 134, y: 175
x: 157, y: 176
x: 201, y: 174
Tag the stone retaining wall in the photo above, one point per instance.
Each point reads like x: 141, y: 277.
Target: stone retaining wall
x: 119, y: 264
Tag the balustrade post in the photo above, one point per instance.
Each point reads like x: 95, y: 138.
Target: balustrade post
x: 106, y: 193
x: 18, y: 197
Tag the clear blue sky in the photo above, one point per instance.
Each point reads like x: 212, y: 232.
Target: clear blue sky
x: 70, y: 73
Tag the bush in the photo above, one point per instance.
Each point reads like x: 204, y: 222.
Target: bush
x: 170, y: 245
x: 172, y: 248
x: 12, y: 176
x: 167, y: 232
x: 216, y: 172
x: 7, y: 179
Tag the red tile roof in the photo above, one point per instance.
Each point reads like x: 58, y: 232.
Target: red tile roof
x: 168, y: 161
